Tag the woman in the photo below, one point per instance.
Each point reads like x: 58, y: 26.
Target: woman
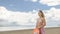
x: 41, y: 22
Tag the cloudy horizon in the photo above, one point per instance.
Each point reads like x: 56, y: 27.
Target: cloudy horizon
x: 27, y: 18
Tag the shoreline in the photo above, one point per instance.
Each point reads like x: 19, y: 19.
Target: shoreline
x: 12, y: 29
x: 53, y: 30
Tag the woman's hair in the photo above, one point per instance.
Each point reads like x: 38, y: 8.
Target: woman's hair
x: 42, y: 15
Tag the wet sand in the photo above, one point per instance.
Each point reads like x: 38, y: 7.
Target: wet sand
x: 53, y: 30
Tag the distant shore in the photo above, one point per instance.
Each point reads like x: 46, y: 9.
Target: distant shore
x: 52, y: 30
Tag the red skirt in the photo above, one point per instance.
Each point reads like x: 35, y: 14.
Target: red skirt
x: 38, y: 31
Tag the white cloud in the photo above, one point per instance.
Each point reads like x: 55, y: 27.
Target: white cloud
x: 53, y: 16
x: 22, y: 18
x: 34, y: 0
x: 50, y: 2
x: 53, y: 13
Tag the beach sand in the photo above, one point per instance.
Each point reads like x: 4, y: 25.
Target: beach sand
x: 53, y: 30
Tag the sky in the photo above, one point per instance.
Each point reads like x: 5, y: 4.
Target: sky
x: 29, y: 5
x: 23, y: 13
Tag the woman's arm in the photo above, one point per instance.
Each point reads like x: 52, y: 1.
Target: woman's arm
x: 38, y: 24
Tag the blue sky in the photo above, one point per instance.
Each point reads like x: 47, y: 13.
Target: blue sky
x: 23, y: 5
